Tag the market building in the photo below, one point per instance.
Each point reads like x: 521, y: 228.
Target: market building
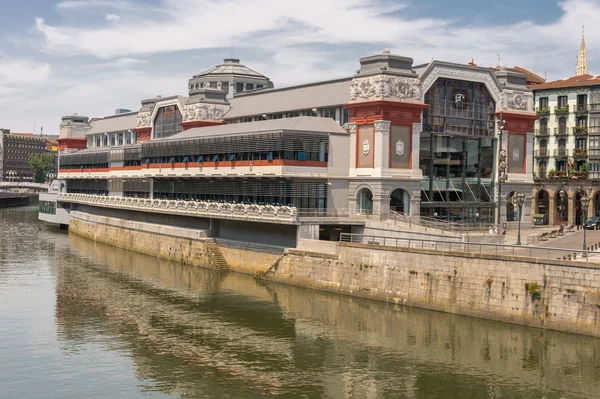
x: 395, y: 137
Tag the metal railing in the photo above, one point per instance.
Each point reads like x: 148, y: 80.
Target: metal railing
x: 561, y: 109
x: 532, y: 252
x: 273, y: 213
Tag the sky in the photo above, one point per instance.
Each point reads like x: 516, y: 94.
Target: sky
x: 90, y: 57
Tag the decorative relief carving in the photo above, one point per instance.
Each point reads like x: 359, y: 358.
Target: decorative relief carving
x: 383, y: 87
x: 143, y: 119
x: 366, y: 148
x: 201, y: 111
x: 516, y: 101
x: 382, y: 125
x: 352, y: 127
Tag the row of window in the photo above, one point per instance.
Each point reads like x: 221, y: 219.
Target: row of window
x: 111, y: 140
x: 319, y: 156
x: 239, y: 87
x: 563, y: 101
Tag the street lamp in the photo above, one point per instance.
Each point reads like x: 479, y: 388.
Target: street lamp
x: 585, y: 201
x: 561, y: 196
x: 520, y: 201
x: 501, y: 166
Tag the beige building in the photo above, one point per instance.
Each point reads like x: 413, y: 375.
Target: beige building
x: 567, y: 144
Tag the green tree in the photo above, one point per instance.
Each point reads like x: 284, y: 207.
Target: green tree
x: 41, y: 165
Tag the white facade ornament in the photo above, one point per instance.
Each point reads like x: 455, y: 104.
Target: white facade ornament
x: 143, y: 119
x: 516, y: 154
x: 200, y: 111
x: 400, y: 147
x: 463, y: 74
x: 366, y: 148
x: 384, y: 87
x: 517, y: 102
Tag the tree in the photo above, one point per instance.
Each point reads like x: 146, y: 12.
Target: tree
x: 41, y: 165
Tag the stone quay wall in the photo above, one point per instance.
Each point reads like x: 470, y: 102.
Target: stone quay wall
x: 550, y: 294
x: 183, y: 245
x: 556, y: 295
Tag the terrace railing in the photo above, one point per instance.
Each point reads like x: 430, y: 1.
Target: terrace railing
x: 477, y: 248
x: 282, y: 214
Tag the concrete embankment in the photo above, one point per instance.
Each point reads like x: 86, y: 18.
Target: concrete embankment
x: 8, y: 200
x: 551, y: 294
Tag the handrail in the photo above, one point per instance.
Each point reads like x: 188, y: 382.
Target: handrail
x: 470, y: 247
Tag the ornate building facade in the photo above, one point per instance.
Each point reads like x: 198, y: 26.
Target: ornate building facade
x: 418, y: 139
x: 567, y: 145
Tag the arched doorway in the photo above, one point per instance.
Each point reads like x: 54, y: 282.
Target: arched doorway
x: 511, y: 209
x: 597, y: 203
x: 562, y: 206
x: 543, y: 204
x: 400, y: 201
x: 365, y: 201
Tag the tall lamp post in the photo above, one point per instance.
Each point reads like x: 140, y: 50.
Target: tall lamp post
x: 501, y: 167
x: 520, y: 201
x: 585, y: 201
x: 561, y: 196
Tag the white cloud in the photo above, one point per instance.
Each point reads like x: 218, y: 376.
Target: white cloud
x: 16, y: 72
x: 112, y: 17
x: 280, y: 26
x: 77, y: 4
x: 291, y: 42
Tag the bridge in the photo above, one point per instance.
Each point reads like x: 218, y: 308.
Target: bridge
x: 26, y: 185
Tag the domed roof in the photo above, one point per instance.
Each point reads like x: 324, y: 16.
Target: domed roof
x: 231, y: 66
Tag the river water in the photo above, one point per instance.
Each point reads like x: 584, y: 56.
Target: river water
x: 83, y: 320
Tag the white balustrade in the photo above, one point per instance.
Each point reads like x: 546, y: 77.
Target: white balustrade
x: 192, y: 208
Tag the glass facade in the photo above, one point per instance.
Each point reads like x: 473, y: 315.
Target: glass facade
x: 167, y: 122
x: 457, y: 152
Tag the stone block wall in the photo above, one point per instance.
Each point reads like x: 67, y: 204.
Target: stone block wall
x: 557, y: 295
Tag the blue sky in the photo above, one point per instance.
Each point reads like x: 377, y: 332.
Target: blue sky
x: 93, y: 56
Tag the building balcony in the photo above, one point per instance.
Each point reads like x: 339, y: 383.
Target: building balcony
x: 542, y: 131
x: 560, y: 153
x: 580, y: 130
x: 565, y: 175
x: 581, y: 108
x: 594, y: 130
x: 580, y: 152
x: 560, y: 131
x: 561, y: 109
x: 594, y: 107
x: 594, y: 153
x: 542, y: 153
x: 542, y: 110
x: 539, y: 176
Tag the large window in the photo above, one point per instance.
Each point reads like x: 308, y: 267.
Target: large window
x: 459, y: 107
x: 167, y: 122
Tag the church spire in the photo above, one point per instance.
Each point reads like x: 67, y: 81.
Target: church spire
x: 582, y: 66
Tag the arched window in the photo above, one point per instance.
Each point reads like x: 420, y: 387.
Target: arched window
x: 365, y: 201
x: 167, y: 122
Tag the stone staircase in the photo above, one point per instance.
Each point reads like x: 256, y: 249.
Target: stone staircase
x: 216, y: 259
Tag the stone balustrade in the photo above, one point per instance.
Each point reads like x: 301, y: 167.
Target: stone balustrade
x: 259, y: 213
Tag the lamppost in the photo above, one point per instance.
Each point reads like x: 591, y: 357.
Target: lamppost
x: 501, y: 167
x: 520, y: 201
x: 585, y: 201
x: 561, y: 196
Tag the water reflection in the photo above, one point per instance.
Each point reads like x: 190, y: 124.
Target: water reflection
x: 204, y: 334
x: 80, y: 319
